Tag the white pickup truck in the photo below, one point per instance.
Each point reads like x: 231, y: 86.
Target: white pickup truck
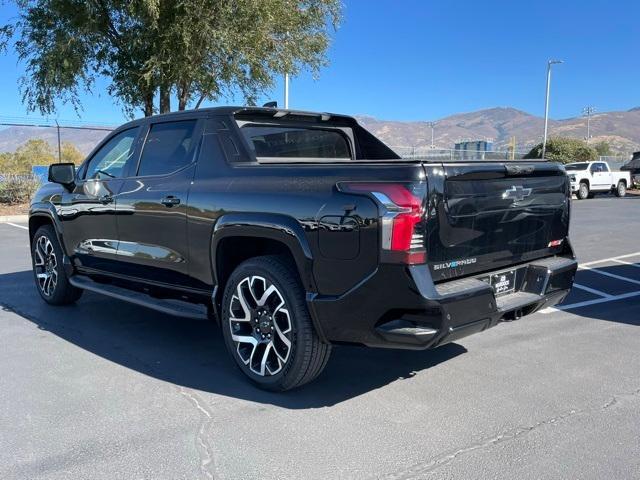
x: 589, y: 178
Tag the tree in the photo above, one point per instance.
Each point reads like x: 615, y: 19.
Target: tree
x: 603, y: 148
x: 34, y: 152
x: 193, y: 49
x: 565, y: 150
x: 37, y: 152
x: 70, y: 153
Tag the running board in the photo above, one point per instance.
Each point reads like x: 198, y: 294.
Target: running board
x: 169, y: 306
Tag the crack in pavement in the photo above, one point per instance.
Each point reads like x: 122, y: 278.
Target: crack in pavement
x: 437, y: 462
x: 202, y: 444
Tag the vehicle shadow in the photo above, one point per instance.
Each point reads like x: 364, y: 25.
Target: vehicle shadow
x: 191, y: 353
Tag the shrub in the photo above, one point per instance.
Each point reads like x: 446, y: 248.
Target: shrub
x: 17, y: 188
x: 565, y: 150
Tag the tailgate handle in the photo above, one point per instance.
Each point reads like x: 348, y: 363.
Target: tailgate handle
x: 516, y: 170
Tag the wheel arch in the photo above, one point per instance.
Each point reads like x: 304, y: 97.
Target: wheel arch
x: 238, y: 237
x: 41, y: 217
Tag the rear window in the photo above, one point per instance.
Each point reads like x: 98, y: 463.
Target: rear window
x: 269, y: 141
x: 576, y: 166
x: 166, y: 148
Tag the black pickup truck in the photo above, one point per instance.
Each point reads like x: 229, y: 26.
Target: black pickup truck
x: 299, y: 230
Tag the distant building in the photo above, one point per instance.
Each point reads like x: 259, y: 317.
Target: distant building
x: 473, y: 150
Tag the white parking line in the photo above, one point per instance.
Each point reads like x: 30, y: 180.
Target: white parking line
x: 17, y: 226
x: 595, y: 262
x: 604, y: 297
x: 612, y: 275
x: 592, y: 290
x: 627, y: 263
x: 590, y: 302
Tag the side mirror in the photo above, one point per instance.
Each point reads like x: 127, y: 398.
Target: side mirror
x: 62, y: 173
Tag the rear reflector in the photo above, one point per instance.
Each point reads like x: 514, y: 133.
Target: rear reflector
x: 555, y: 243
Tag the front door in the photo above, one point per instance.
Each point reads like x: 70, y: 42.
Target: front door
x: 152, y: 205
x: 88, y: 212
x: 600, y: 177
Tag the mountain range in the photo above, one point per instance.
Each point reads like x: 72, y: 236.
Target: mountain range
x: 621, y: 129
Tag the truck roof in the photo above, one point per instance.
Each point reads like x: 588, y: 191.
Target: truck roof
x: 266, y: 112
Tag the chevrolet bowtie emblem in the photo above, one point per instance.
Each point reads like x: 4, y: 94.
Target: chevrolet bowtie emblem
x: 516, y: 193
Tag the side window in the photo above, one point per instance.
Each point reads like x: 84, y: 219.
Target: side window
x: 595, y: 168
x: 110, y: 160
x: 166, y: 148
x: 604, y: 167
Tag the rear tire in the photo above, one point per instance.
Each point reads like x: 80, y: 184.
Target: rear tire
x: 267, y: 327
x: 48, y: 271
x: 583, y: 191
x: 621, y: 189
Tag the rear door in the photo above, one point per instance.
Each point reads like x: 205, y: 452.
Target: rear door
x: 484, y: 216
x: 152, y: 205
x: 88, y: 212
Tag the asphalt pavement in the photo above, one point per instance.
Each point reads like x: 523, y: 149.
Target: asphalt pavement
x: 108, y: 390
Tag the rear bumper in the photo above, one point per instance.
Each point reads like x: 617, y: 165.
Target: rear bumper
x: 401, y: 307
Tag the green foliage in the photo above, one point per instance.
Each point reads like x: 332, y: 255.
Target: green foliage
x: 37, y: 152
x: 565, y: 150
x: 193, y: 49
x: 17, y: 189
x: 603, y: 149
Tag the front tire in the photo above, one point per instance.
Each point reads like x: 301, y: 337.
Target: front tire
x: 267, y: 327
x: 583, y: 191
x: 621, y: 189
x: 48, y: 272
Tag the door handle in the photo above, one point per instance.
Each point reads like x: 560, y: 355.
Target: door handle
x: 170, y: 201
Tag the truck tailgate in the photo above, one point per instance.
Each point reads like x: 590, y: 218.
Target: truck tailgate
x: 485, y: 216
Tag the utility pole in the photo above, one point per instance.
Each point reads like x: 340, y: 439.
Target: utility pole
x: 59, y: 148
x: 587, y: 112
x: 546, y: 104
x: 432, y: 125
x: 286, y: 90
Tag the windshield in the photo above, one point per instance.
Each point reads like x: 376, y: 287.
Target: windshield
x: 577, y: 166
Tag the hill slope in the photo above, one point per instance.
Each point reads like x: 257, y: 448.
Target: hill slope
x: 620, y: 129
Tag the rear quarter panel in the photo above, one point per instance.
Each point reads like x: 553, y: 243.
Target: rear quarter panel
x: 341, y: 229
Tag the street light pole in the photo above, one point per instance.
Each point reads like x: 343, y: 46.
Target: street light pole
x: 286, y: 90
x: 587, y: 112
x: 546, y: 105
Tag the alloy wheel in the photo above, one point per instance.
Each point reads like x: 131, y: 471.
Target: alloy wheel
x: 260, y: 326
x: 622, y: 189
x: 46, y: 265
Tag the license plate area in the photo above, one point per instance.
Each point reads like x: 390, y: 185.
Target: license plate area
x: 503, y: 283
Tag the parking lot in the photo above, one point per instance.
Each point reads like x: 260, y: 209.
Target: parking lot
x: 107, y: 390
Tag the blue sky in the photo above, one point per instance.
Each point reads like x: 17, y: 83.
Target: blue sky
x: 422, y: 60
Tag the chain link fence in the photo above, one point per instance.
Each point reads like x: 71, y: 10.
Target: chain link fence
x: 446, y: 155
x: 17, y: 133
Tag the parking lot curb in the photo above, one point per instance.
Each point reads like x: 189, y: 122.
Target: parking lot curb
x: 14, y: 218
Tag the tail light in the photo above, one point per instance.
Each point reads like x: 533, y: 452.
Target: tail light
x: 401, y: 221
